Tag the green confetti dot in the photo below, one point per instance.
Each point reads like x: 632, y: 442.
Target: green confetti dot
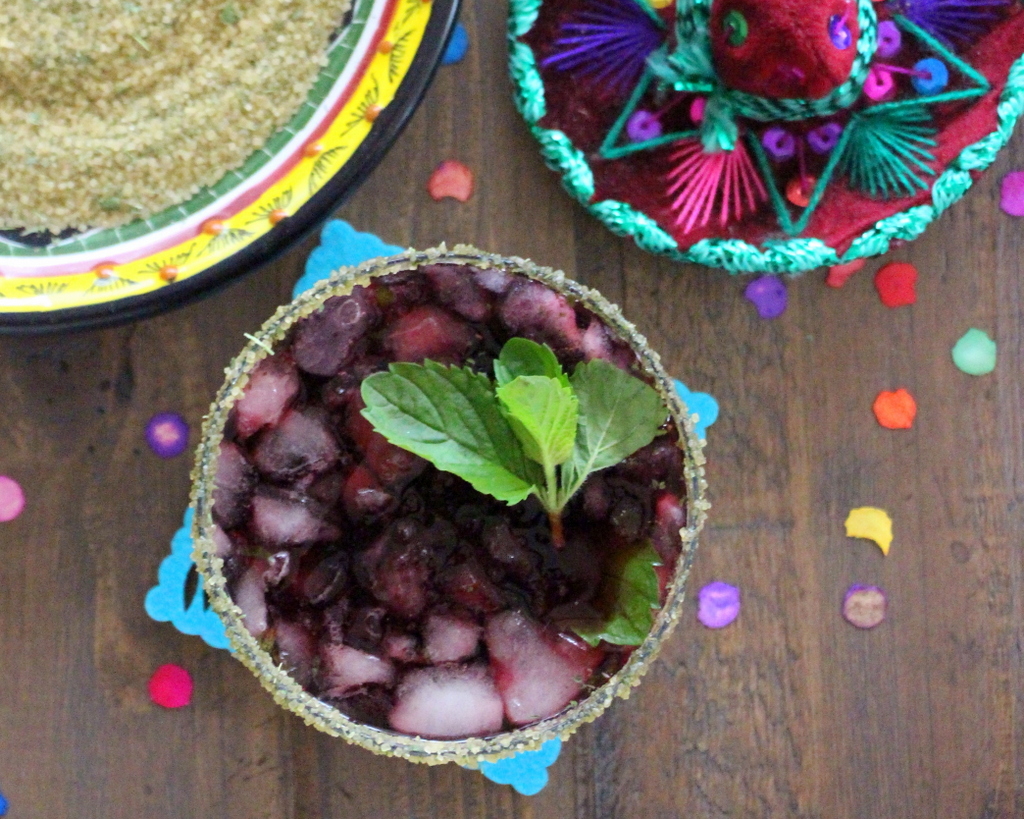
x: 975, y: 353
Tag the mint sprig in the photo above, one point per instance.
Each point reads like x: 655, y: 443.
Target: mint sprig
x: 536, y: 431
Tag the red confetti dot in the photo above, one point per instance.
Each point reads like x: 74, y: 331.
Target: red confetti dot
x: 895, y: 410
x: 896, y: 284
x: 451, y: 179
x: 171, y: 686
x: 12, y: 499
x: 841, y: 273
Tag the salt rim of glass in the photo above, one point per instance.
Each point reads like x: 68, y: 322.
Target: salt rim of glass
x: 285, y: 690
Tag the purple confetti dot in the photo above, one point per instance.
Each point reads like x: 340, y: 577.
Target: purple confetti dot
x: 768, y: 295
x: 1012, y: 197
x: 642, y: 126
x: 718, y: 604
x: 890, y: 40
x: 864, y: 606
x: 167, y: 434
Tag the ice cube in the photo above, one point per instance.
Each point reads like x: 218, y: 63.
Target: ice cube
x: 250, y: 596
x: 222, y: 545
x: 535, y: 312
x: 281, y: 520
x: 669, y: 518
x: 401, y: 647
x: 296, y: 649
x: 364, y: 497
x: 273, y: 385
x: 325, y: 341
x: 468, y: 585
x: 429, y: 332
x: 457, y: 291
x: 233, y: 484
x: 299, y: 444
x: 448, y: 702
x: 537, y: 677
x: 393, y: 465
x: 492, y: 280
x: 449, y: 639
x: 346, y: 669
x: 278, y: 566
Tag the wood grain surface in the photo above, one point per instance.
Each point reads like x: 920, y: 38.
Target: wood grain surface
x: 789, y: 712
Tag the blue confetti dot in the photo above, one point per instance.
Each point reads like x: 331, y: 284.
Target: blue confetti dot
x: 3, y: 805
x: 704, y: 406
x: 526, y: 772
x: 458, y: 45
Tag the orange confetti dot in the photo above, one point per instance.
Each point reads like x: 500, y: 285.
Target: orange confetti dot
x: 451, y: 179
x: 104, y: 271
x: 213, y: 227
x: 169, y: 273
x: 896, y: 409
x: 799, y: 191
x: 313, y: 149
x: 386, y: 47
x: 277, y: 216
x: 372, y: 112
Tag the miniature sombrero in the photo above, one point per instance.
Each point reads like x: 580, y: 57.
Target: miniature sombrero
x: 768, y: 135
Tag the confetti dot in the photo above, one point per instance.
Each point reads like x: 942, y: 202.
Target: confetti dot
x: 171, y: 686
x: 896, y: 284
x: 458, y: 45
x: 768, y: 295
x: 451, y: 179
x: 1012, y: 198
x: 870, y: 523
x: 12, y: 499
x: 840, y: 274
x: 975, y: 353
x: 167, y: 434
x: 896, y: 409
x: 3, y: 805
x: 864, y: 606
x: 718, y: 604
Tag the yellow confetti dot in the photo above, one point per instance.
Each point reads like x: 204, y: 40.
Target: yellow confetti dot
x: 660, y: 4
x: 871, y: 523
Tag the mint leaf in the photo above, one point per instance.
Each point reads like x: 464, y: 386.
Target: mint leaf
x: 618, y: 414
x: 629, y: 597
x: 450, y: 416
x: 543, y: 414
x: 520, y: 356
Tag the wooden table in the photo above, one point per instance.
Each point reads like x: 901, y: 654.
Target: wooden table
x: 789, y: 712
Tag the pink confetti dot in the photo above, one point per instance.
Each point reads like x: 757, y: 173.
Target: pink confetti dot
x: 1012, y: 199
x: 171, y: 686
x: 12, y: 499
